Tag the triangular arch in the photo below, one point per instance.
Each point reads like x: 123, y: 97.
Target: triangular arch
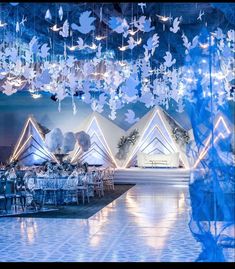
x: 155, y: 137
x: 30, y: 148
x: 99, y: 150
x: 220, y: 131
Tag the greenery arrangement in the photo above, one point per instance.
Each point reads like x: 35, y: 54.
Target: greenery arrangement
x: 180, y: 135
x: 125, y: 143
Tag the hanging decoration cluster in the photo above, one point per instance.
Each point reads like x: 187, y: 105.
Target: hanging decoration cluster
x: 105, y: 81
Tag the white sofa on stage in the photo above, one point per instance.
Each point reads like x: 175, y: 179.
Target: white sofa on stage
x: 158, y: 160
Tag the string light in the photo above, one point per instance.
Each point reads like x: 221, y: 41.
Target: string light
x: 163, y: 18
x: 122, y: 63
x: 3, y: 24
x: 99, y: 38
x: 123, y: 48
x: 72, y: 48
x: 204, y: 45
x: 132, y: 32
x: 36, y: 95
x: 54, y: 28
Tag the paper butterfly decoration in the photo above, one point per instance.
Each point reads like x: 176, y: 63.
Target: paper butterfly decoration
x: 130, y: 116
x: 65, y: 29
x: 85, y: 23
x: 168, y: 59
x: 176, y: 23
x: 48, y: 15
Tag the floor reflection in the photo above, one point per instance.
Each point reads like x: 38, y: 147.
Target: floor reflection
x: 147, y: 223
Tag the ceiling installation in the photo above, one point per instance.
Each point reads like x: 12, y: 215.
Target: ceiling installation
x: 115, y: 53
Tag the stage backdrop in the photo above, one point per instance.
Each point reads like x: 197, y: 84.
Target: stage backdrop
x: 15, y: 109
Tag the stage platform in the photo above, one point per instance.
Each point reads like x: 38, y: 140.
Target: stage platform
x: 175, y: 176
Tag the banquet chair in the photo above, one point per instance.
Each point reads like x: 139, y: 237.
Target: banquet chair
x: 49, y: 186
x: 12, y: 194
x: 20, y: 194
x: 82, y: 187
x: 98, y: 183
x: 108, y: 179
x: 2, y: 194
x: 29, y: 193
x: 70, y: 189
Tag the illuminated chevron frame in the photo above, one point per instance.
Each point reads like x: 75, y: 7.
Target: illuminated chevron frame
x: 78, y: 150
x: 18, y: 148
x: 142, y: 139
x: 207, y: 144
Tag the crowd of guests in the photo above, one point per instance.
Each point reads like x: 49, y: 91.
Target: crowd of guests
x: 22, y: 176
x: 46, y: 170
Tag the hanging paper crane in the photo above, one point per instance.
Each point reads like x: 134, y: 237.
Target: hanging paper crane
x: 142, y: 5
x: 85, y: 23
x: 48, y: 15
x: 60, y: 13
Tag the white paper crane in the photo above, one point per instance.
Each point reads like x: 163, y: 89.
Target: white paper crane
x: 48, y: 15
x: 168, y: 59
x: 142, y: 5
x: 175, y: 27
x: 65, y: 29
x: 201, y: 13
x: 85, y: 23
x: 60, y: 13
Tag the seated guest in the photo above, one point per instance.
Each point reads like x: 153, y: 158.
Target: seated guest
x: 41, y: 173
x: 64, y: 173
x: 11, y: 174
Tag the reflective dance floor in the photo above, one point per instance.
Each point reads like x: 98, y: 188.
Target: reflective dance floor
x: 147, y: 223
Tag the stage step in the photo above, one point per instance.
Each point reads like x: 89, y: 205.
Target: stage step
x: 148, y: 175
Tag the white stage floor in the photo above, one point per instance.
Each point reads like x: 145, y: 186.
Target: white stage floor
x: 152, y: 175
